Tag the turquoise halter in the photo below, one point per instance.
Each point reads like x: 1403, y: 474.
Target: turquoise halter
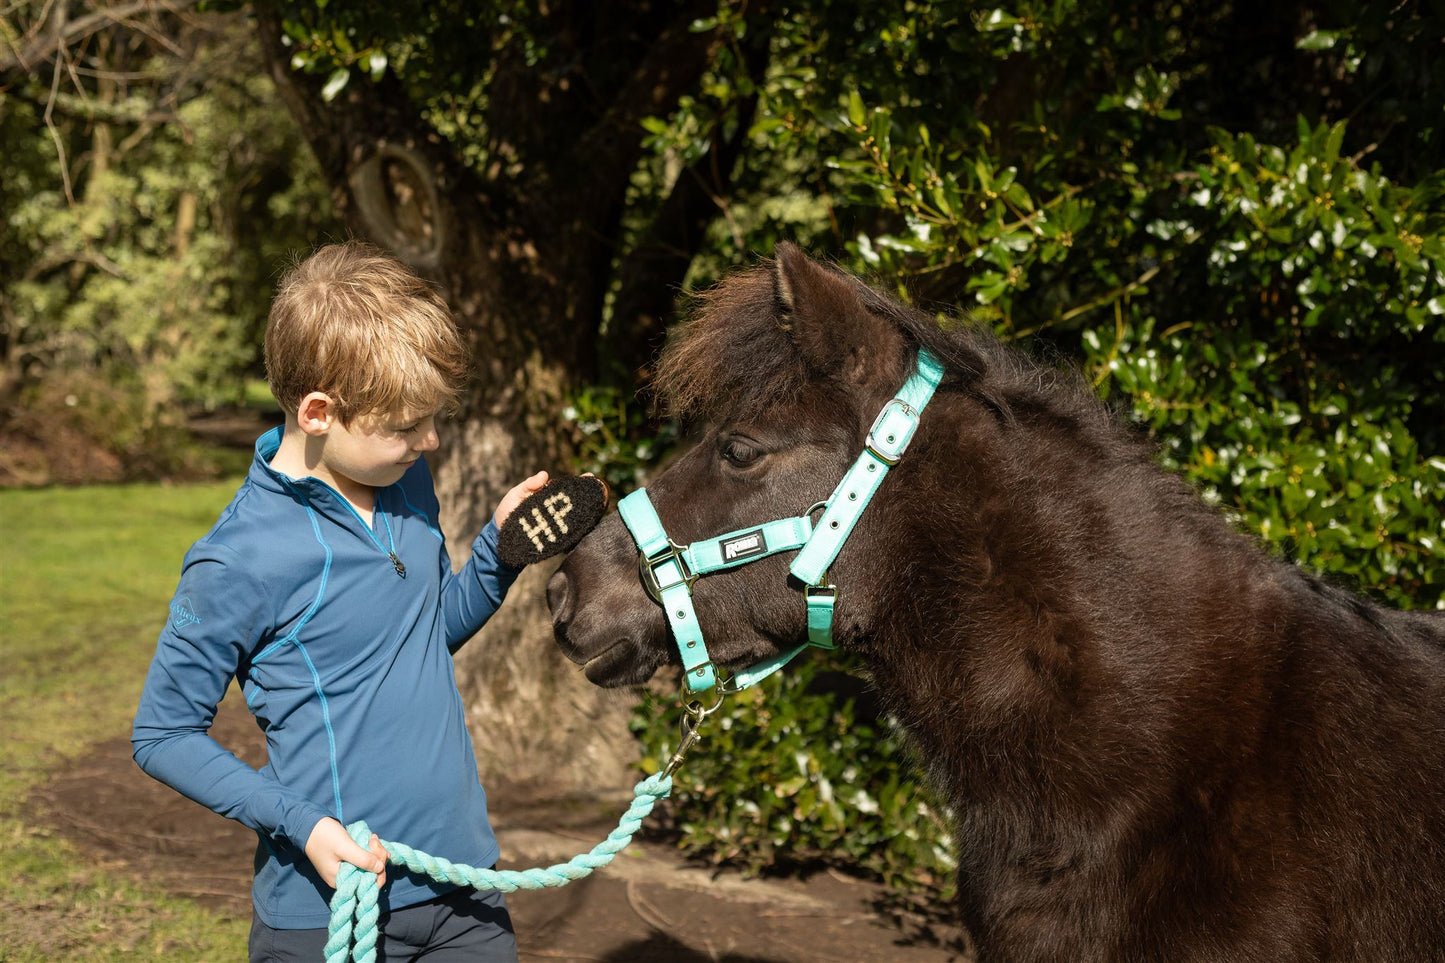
x: 669, y: 570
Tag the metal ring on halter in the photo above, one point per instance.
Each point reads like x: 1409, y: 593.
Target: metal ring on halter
x: 647, y: 566
x: 694, y: 713
x: 725, y: 687
x: 696, y: 709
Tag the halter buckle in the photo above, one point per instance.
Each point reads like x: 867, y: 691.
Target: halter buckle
x: 821, y: 590
x: 647, y: 566
x: 892, y: 431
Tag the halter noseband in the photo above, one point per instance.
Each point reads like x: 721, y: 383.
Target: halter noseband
x: 669, y: 570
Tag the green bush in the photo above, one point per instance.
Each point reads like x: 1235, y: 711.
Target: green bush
x: 75, y: 428
x: 1301, y: 406
x: 787, y: 775
x: 613, y: 437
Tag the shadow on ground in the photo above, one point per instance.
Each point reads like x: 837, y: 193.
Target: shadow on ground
x: 661, y: 947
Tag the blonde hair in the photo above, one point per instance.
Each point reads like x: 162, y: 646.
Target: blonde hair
x: 357, y: 324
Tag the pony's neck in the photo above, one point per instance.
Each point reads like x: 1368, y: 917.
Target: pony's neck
x: 1063, y: 599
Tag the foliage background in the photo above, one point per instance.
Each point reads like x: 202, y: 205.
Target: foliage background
x: 149, y: 201
x: 1227, y: 214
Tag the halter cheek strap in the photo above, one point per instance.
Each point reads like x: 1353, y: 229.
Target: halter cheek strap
x: 669, y: 570
x: 887, y: 440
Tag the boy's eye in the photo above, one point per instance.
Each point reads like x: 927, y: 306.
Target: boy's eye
x: 413, y: 427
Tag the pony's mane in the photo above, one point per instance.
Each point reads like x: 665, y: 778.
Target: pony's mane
x: 734, y: 356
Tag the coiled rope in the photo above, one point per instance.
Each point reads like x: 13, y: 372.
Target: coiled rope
x: 354, y: 914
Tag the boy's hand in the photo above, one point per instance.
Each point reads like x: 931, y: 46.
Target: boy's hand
x: 329, y: 845
x: 514, y: 497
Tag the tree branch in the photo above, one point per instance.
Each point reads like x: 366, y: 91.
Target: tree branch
x: 133, y: 110
x: 38, y: 48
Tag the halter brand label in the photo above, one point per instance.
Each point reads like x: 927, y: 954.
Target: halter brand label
x: 744, y: 546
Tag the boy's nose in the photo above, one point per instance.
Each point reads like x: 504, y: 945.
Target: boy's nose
x: 427, y: 439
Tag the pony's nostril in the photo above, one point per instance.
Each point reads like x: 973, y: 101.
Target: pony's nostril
x: 559, y: 597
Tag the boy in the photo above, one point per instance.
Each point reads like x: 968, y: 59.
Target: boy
x: 325, y: 589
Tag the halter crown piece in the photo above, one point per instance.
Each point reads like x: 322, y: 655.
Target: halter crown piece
x: 669, y: 570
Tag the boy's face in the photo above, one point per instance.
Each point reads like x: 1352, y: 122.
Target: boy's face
x: 376, y: 450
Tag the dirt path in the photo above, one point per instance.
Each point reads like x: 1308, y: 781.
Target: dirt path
x: 649, y: 906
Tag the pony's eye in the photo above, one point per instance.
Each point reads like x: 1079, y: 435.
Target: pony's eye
x: 740, y: 454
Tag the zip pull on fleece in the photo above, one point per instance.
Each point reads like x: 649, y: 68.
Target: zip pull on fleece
x: 396, y: 563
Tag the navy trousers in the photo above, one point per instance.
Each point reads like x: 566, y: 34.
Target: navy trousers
x: 465, y: 926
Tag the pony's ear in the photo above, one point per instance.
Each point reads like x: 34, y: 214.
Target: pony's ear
x: 824, y: 312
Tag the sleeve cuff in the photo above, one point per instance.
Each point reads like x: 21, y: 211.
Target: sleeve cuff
x: 307, y: 820
x: 485, y: 548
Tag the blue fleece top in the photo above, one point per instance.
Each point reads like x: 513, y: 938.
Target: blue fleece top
x: 346, y: 664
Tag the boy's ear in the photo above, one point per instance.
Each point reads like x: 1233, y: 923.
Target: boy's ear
x: 829, y: 321
x: 315, y: 413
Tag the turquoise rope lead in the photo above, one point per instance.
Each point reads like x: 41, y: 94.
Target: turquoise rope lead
x: 354, y: 913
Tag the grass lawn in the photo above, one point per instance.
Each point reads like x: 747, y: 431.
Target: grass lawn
x: 85, y: 578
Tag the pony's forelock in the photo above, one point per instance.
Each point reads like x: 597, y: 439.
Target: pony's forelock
x: 733, y: 356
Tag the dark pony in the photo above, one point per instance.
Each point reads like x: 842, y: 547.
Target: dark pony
x: 1159, y: 743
